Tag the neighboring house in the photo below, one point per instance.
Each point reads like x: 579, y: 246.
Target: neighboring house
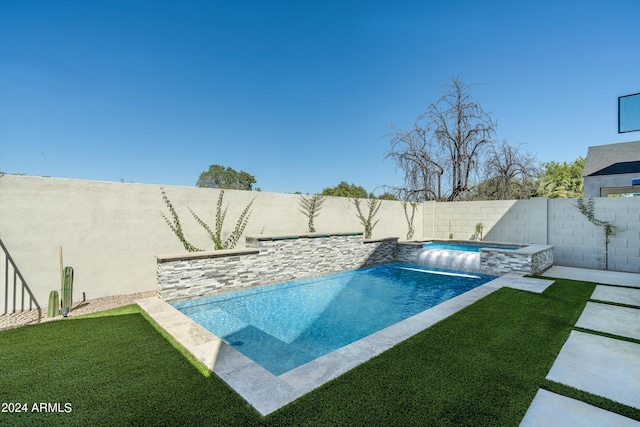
x: 612, y: 169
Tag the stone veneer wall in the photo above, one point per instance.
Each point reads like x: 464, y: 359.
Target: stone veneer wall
x: 408, y: 251
x: 268, y: 260
x: 533, y: 259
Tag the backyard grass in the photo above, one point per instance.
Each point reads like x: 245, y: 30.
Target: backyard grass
x: 481, y: 366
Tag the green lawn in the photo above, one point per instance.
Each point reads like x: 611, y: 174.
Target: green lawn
x: 482, y: 366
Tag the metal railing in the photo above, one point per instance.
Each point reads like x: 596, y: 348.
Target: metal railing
x: 15, y: 287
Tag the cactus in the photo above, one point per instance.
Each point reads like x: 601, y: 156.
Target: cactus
x: 67, y: 290
x: 54, y: 304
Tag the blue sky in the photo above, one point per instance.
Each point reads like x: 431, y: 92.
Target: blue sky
x: 299, y: 94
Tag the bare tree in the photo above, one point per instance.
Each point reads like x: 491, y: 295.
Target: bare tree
x: 442, y: 154
x: 510, y: 173
x: 417, y: 155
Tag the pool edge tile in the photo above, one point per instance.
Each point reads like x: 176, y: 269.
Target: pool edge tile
x: 198, y: 341
x: 259, y: 387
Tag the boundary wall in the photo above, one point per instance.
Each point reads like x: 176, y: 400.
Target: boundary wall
x: 558, y: 222
x: 111, y: 232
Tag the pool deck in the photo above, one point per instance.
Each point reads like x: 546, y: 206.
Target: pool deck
x: 267, y: 392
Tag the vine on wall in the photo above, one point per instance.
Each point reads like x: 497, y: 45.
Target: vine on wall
x: 215, y: 235
x: 588, y: 210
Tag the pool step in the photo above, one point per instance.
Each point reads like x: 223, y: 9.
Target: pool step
x: 280, y: 358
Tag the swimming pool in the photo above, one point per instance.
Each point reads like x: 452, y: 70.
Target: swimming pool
x: 286, y: 325
x: 465, y: 247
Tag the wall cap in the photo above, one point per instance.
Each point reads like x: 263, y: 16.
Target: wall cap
x: 262, y: 238
x: 382, y: 239
x: 206, y: 254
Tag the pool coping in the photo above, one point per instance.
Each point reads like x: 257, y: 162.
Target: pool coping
x: 267, y: 392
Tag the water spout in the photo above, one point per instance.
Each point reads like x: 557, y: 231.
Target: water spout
x: 451, y: 260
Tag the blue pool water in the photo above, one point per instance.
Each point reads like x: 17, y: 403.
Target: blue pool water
x: 462, y: 247
x: 286, y: 325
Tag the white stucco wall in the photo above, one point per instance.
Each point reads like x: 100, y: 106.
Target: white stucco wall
x: 111, y: 232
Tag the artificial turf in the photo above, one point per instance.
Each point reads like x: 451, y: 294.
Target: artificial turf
x: 481, y: 366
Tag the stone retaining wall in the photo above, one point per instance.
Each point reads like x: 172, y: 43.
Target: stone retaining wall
x: 268, y: 260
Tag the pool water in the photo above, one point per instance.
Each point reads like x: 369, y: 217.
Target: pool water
x: 462, y: 247
x: 286, y: 325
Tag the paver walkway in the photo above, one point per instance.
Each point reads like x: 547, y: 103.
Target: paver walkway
x: 601, y: 365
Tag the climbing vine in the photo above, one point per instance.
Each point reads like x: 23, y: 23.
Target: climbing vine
x: 310, y: 207
x: 479, y: 228
x: 175, y: 225
x: 374, y: 206
x: 588, y: 210
x: 214, y: 235
x: 411, y: 229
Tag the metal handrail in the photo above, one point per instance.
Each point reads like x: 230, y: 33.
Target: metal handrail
x: 23, y: 286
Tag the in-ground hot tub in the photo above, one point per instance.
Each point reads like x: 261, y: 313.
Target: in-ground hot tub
x: 495, y: 258
x: 470, y: 246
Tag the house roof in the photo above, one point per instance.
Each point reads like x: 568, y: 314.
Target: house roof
x: 612, y: 159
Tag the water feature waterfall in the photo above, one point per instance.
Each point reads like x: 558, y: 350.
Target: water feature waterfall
x: 451, y: 260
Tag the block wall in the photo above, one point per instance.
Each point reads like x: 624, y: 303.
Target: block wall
x: 579, y: 243
x: 557, y: 222
x: 522, y: 221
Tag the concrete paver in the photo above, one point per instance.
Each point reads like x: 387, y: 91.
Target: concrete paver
x: 553, y: 410
x: 599, y: 365
x: 611, y: 319
x: 518, y: 281
x: 596, y: 276
x: 617, y: 294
